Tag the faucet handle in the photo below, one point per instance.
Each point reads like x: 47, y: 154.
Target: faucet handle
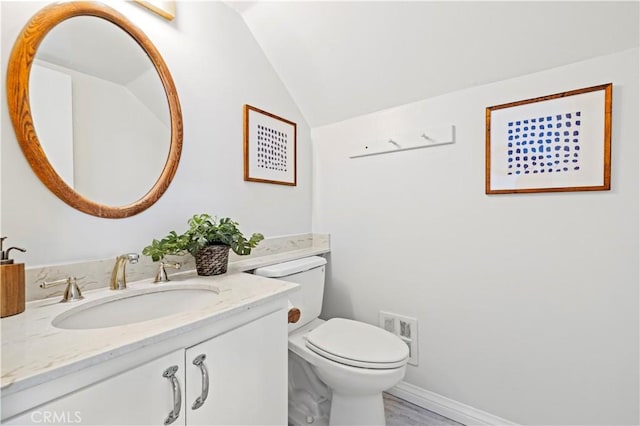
x: 71, y: 294
x: 162, y: 276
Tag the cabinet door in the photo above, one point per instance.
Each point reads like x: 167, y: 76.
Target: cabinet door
x: 140, y: 396
x: 247, y: 371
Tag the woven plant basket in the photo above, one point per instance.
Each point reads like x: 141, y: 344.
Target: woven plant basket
x: 212, y: 260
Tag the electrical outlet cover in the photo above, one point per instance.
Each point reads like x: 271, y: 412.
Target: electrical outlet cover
x: 388, y: 322
x: 404, y: 327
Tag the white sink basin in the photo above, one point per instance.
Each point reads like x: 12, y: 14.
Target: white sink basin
x: 132, y: 306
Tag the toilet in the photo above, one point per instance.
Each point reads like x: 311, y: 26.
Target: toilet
x: 338, y: 368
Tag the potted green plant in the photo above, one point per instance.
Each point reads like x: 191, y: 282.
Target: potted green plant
x: 208, y: 240
x: 172, y: 244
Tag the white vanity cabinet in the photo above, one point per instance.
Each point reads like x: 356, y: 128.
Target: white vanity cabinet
x: 247, y: 376
x: 140, y: 396
x: 242, y: 380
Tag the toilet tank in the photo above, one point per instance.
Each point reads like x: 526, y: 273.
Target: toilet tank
x: 309, y: 274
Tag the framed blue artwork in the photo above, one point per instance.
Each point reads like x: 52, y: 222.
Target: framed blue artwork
x: 553, y: 143
x: 269, y: 148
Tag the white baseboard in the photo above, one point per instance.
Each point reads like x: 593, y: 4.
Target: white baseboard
x: 446, y: 407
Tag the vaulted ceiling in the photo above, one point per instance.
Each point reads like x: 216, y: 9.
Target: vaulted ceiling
x: 348, y: 58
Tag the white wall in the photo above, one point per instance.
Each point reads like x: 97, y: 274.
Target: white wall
x: 217, y: 67
x: 120, y: 145
x: 527, y: 304
x: 145, y: 87
x: 52, y: 108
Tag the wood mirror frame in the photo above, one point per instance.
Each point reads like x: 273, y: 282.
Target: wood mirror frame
x: 18, y: 73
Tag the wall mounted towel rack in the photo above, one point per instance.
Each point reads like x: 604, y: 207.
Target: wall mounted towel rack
x: 432, y: 136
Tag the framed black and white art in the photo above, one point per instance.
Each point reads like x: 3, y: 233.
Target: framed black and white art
x: 269, y: 148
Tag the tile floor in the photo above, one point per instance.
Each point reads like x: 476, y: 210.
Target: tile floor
x: 402, y: 413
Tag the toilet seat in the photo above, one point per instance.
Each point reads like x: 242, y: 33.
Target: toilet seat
x: 357, y: 344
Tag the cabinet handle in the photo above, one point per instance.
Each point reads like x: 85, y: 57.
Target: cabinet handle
x: 199, y: 361
x: 170, y: 373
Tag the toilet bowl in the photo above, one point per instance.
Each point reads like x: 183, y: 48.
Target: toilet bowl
x: 356, y: 385
x: 338, y: 368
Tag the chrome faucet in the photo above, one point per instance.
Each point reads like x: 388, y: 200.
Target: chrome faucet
x: 119, y: 274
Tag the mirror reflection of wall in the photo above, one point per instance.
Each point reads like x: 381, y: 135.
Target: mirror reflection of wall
x: 100, y: 110
x: 52, y: 108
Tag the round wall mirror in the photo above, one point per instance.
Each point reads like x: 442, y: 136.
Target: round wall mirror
x: 94, y: 109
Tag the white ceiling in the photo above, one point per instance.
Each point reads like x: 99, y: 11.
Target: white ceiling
x: 344, y: 59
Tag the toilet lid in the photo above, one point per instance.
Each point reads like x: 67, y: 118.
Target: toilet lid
x: 357, y: 344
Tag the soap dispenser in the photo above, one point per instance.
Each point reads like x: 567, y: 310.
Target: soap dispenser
x: 11, y: 283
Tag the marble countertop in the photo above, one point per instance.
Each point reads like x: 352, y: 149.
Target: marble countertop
x: 34, y: 351
x: 94, y: 274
